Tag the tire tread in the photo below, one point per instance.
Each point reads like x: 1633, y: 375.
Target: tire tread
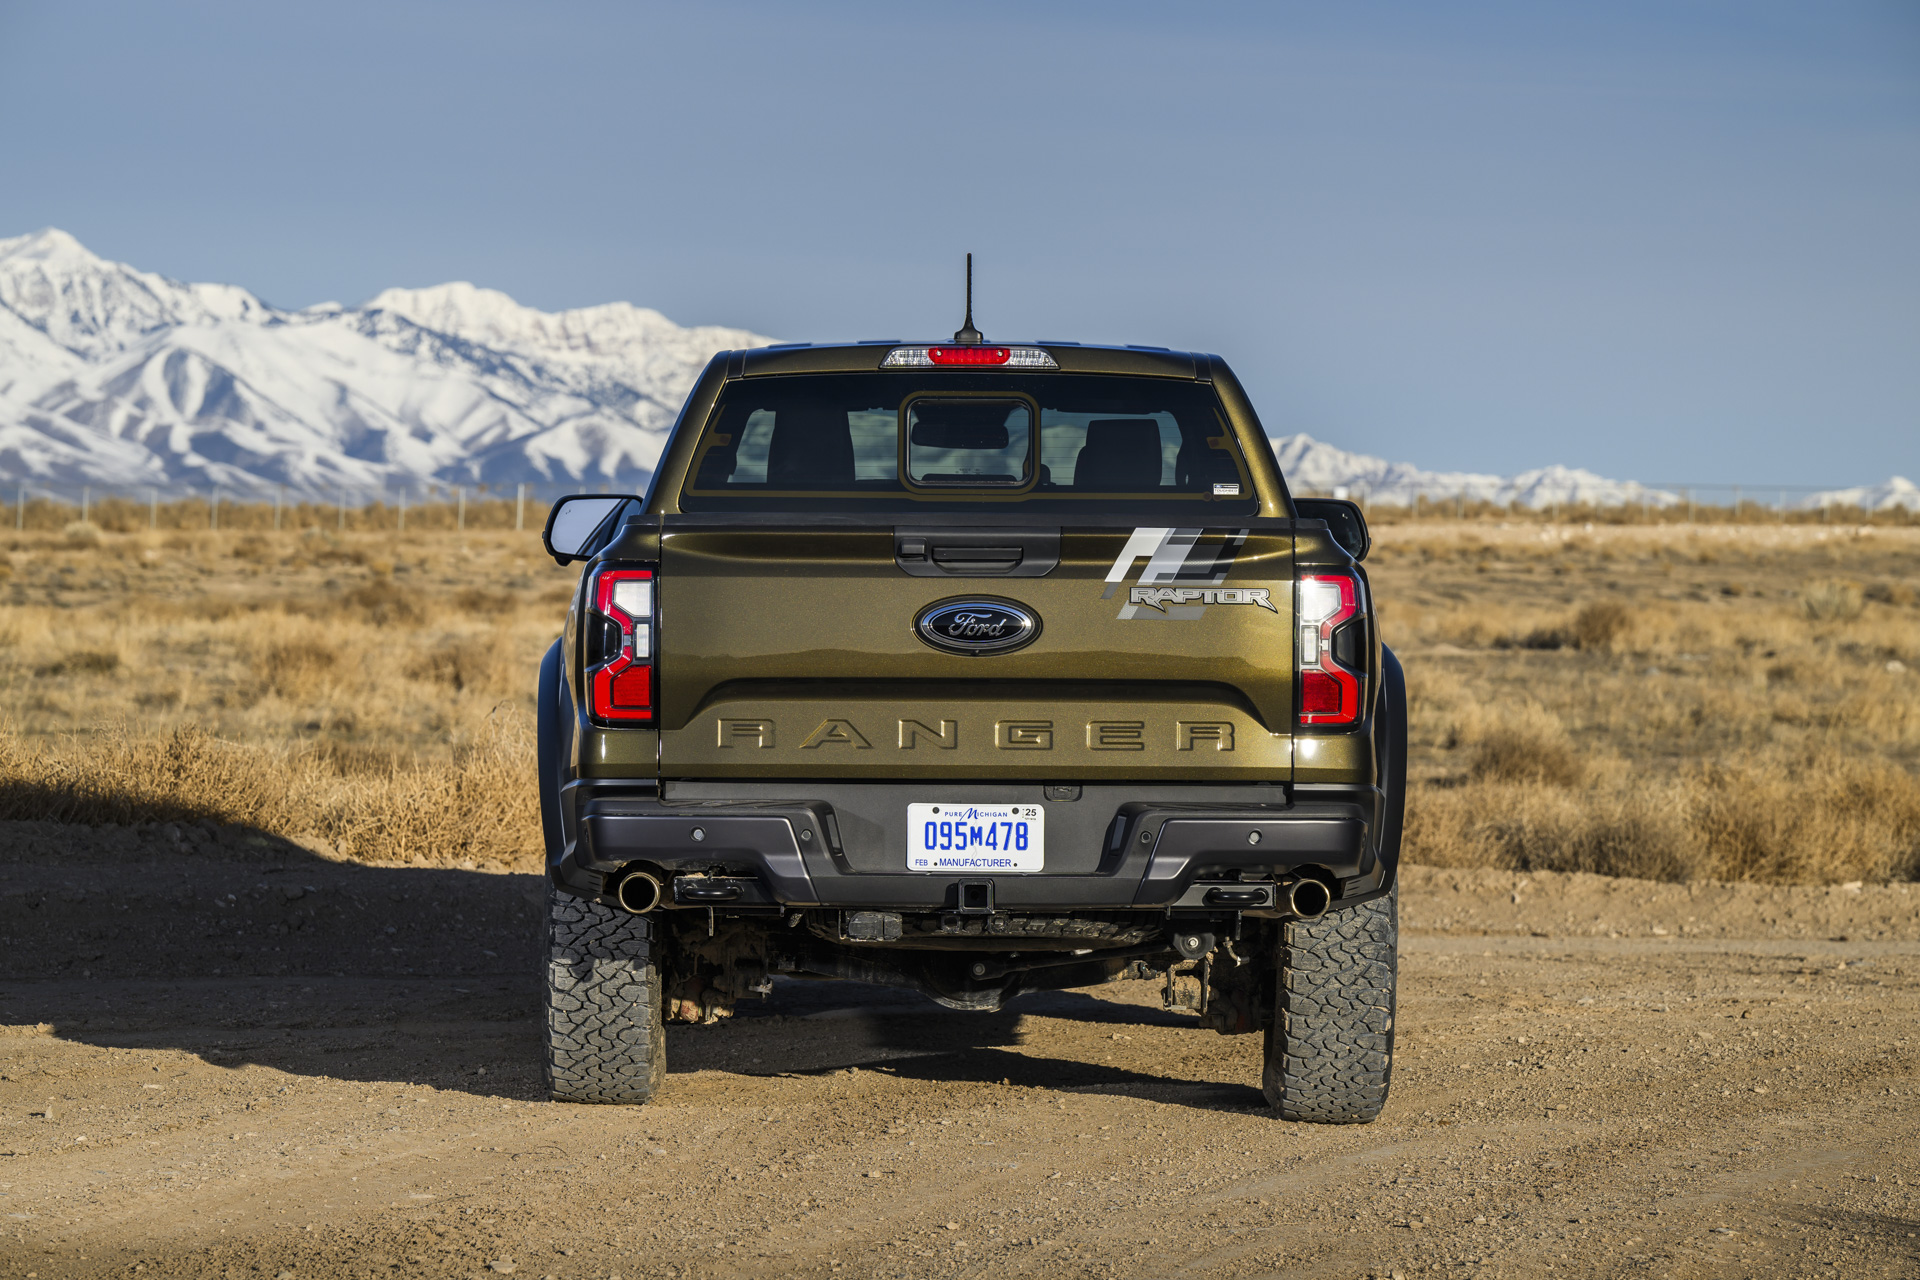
x: 605, y: 1039
x: 1329, y: 1051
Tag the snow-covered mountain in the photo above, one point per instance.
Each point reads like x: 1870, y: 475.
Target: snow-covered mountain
x: 122, y: 378
x: 1317, y: 467
x: 1897, y: 492
x: 1313, y: 465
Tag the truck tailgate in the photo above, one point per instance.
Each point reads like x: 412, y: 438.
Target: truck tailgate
x: 791, y: 650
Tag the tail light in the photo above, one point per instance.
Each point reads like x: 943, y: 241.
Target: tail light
x: 1330, y: 649
x: 620, y: 646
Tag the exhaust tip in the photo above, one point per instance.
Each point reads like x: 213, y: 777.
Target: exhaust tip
x: 1309, y: 899
x: 637, y: 892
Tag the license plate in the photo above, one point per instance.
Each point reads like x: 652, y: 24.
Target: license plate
x: 1002, y: 838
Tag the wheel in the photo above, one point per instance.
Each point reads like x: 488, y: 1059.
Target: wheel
x: 1329, y: 1051
x: 605, y: 1041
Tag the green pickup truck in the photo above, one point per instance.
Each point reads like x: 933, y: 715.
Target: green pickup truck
x: 976, y: 669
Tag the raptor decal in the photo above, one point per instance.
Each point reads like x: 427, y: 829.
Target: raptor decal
x: 1184, y: 570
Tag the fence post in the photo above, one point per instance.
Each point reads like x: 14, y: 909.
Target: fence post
x: 520, y: 509
x: 20, y: 508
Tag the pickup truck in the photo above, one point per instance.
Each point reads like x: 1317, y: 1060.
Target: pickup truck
x: 973, y: 668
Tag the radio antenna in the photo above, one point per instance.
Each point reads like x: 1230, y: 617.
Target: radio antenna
x: 968, y: 336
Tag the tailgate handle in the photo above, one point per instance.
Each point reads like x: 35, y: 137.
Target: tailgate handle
x: 979, y: 559
x: 959, y: 551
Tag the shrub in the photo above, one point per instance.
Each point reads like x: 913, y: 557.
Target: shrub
x: 1596, y: 626
x: 470, y: 664
x: 1543, y: 638
x: 1833, y: 602
x: 294, y: 669
x: 1599, y: 624
x: 383, y: 603
x: 1894, y: 593
x: 1516, y: 755
x: 82, y: 662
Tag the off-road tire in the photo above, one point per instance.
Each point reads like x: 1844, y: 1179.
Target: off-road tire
x: 1329, y: 1051
x: 605, y: 1041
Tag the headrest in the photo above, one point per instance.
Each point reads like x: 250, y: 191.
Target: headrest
x: 1120, y: 454
x: 811, y: 448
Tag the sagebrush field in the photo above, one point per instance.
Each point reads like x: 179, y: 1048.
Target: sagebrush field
x: 1717, y: 701
x: 1726, y: 702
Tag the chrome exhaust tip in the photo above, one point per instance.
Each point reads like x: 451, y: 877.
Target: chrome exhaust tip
x: 1308, y: 899
x: 638, y: 892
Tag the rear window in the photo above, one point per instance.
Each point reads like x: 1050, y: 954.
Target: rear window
x: 900, y: 441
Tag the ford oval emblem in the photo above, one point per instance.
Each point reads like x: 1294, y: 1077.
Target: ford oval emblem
x: 976, y: 625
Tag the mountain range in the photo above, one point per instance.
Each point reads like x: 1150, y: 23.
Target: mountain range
x: 123, y: 379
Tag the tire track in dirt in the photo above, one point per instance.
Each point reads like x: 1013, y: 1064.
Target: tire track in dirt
x: 1735, y: 1101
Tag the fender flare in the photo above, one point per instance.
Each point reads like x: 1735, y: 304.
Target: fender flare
x: 550, y: 747
x: 1390, y: 755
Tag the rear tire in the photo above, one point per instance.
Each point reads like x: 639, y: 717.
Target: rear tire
x: 605, y: 1040
x: 1329, y: 1050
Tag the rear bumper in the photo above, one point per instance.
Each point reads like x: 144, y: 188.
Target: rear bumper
x: 1178, y: 849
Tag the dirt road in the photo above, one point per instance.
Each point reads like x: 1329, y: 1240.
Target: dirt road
x: 225, y: 1056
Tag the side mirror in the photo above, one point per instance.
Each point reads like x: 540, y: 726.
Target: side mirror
x: 578, y: 524
x: 1348, y: 526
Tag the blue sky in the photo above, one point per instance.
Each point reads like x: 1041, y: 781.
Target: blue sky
x: 1673, y: 241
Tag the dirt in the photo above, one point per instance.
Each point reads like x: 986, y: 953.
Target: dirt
x: 227, y: 1055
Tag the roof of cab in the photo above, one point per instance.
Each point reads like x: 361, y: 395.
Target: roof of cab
x: 865, y: 357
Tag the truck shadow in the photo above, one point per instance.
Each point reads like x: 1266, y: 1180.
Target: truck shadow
x: 242, y: 948
x: 822, y: 1028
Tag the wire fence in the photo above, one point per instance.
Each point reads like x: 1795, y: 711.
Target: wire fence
x: 154, y: 508
x: 524, y: 507
x: 1652, y: 504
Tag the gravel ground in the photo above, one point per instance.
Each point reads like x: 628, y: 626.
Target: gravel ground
x: 223, y: 1055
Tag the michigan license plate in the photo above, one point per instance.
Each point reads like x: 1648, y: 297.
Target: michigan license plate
x: 1003, y: 838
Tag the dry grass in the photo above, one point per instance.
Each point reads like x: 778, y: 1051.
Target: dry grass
x: 1517, y: 755
x: 1637, y: 701
x: 1829, y: 821
x: 310, y: 639
x: 366, y: 695
x: 473, y: 808
x: 1726, y: 702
